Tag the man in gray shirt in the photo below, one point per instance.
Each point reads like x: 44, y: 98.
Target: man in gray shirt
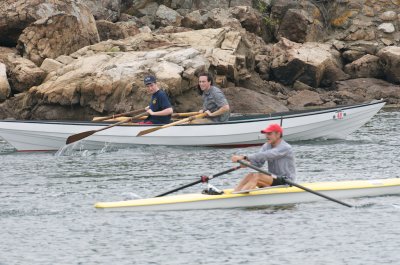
x: 279, y: 155
x: 214, y: 101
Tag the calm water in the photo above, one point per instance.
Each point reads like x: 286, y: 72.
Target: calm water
x: 47, y: 214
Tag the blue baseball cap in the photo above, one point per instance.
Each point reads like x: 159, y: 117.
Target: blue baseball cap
x: 150, y: 79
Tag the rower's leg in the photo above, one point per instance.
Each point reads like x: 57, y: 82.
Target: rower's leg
x: 244, y: 181
x: 257, y: 180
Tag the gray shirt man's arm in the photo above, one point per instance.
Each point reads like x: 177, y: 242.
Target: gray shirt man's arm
x: 261, y: 157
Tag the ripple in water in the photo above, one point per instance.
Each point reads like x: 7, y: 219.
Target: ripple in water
x: 79, y: 149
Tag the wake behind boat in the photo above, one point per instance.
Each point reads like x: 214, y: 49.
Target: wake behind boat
x: 280, y: 195
x: 329, y: 123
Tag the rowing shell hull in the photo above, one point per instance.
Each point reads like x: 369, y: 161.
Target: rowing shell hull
x: 260, y: 198
x: 333, y: 123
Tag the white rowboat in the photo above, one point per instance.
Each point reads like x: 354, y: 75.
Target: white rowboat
x: 331, y: 123
x: 264, y: 197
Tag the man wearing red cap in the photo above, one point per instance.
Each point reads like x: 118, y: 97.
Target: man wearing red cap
x: 279, y: 155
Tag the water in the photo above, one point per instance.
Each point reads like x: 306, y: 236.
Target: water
x: 47, y: 214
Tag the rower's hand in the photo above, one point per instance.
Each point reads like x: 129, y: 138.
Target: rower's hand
x: 209, y: 114
x: 147, y: 108
x: 150, y: 112
x: 236, y: 158
x: 201, y: 111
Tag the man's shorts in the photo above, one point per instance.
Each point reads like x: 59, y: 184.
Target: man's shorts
x: 278, y: 181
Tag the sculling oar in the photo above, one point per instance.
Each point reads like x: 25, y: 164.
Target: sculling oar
x: 198, y: 116
x: 294, y: 184
x: 82, y: 135
x: 133, y: 112
x: 201, y: 180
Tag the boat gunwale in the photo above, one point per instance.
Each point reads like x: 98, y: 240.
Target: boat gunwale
x: 366, y: 184
x: 244, y: 118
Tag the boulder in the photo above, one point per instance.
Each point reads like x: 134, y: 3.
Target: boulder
x: 308, y: 63
x: 23, y: 74
x: 56, y: 35
x: 304, y: 98
x: 5, y: 89
x: 242, y: 100
x: 352, y: 55
x: 366, y: 66
x: 102, y: 81
x: 108, y: 30
x: 149, y: 10
x: 195, y: 19
x: 390, y: 60
x: 104, y: 9
x: 386, y: 27
x: 50, y: 65
x: 166, y: 16
x: 15, y: 16
x: 366, y: 89
x: 298, y: 25
x: 388, y: 16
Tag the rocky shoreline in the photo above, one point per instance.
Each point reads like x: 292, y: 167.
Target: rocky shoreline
x: 76, y: 59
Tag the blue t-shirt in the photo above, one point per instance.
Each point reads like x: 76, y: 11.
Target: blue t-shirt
x: 159, y: 101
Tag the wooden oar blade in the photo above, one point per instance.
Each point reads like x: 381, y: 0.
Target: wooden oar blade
x: 147, y: 131
x: 79, y: 136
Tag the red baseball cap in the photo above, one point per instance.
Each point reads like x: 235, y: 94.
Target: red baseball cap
x: 273, y: 128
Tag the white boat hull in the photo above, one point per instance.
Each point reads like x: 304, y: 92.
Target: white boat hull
x: 266, y: 197
x: 51, y: 135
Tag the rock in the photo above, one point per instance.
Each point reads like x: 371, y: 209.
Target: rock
x: 352, y: 55
x: 388, y: 16
x: 301, y: 86
x: 306, y: 62
x: 242, y: 100
x: 56, y: 35
x: 227, y: 52
x: 5, y: 89
x: 386, y: 27
x: 368, y: 11
x: 300, y: 26
x: 390, y: 59
x: 387, y: 42
x: 64, y: 59
x: 195, y: 19
x: 105, y: 81
x: 129, y: 28
x: 149, y: 10
x: 366, y: 66
x: 249, y: 18
x: 23, y: 74
x: 104, y: 9
x: 304, y: 98
x: 50, y: 65
x: 218, y: 18
x: 108, y: 30
x: 15, y: 16
x: 366, y: 89
x: 166, y: 16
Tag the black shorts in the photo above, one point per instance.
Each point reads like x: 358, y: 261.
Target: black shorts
x: 278, y: 181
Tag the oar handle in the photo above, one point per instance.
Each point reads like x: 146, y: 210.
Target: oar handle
x: 202, y: 179
x: 295, y: 184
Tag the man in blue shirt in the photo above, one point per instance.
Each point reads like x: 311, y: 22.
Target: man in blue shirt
x: 159, y: 109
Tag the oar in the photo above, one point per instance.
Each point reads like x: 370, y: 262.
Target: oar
x: 198, y: 116
x: 202, y: 179
x: 294, y: 184
x: 184, y: 114
x: 82, y: 135
x: 133, y: 112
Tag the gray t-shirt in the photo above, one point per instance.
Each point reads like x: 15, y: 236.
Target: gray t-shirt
x: 213, y: 100
x: 280, y: 159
